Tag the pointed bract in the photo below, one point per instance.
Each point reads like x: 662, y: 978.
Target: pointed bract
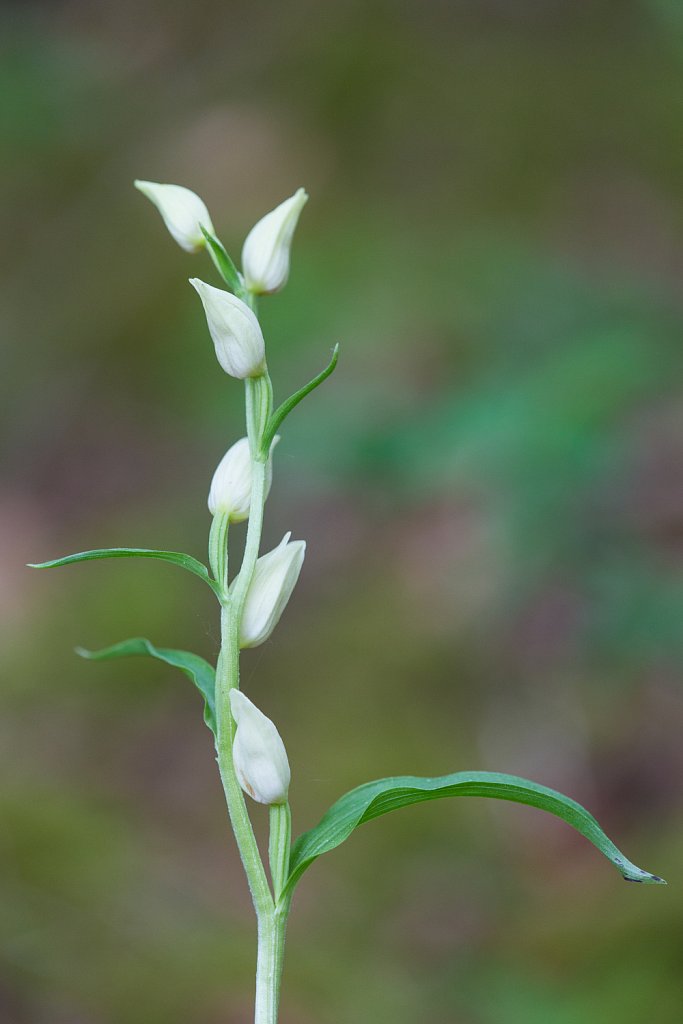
x: 271, y: 587
x: 230, y: 491
x: 258, y: 753
x: 265, y: 254
x: 236, y: 333
x: 183, y: 212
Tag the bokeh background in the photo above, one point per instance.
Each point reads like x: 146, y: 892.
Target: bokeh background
x: 489, y: 486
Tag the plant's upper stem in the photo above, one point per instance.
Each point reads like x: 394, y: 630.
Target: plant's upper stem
x: 271, y: 915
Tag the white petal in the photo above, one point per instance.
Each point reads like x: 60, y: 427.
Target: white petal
x: 274, y: 579
x: 236, y: 333
x: 231, y: 484
x: 265, y: 254
x: 258, y: 753
x: 183, y: 212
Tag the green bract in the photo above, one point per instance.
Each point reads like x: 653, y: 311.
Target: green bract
x: 224, y: 265
x: 290, y: 403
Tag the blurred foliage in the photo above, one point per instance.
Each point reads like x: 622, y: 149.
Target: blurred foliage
x: 489, y: 485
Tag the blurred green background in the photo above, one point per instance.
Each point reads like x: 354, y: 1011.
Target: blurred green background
x: 489, y: 486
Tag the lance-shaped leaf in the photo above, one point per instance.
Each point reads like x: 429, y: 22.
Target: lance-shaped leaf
x: 197, y: 669
x: 284, y: 410
x: 384, y: 795
x: 224, y: 265
x: 174, y: 557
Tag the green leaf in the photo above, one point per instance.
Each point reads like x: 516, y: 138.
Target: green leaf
x: 284, y: 410
x: 174, y: 557
x: 224, y: 265
x: 384, y: 795
x: 201, y: 673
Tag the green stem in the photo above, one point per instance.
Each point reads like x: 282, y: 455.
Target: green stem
x: 251, y: 547
x: 271, y: 915
x: 227, y: 677
x: 271, y: 951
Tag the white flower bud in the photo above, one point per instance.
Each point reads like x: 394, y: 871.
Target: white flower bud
x: 265, y: 254
x: 183, y: 211
x: 231, y: 485
x: 274, y: 578
x: 236, y: 333
x: 258, y: 753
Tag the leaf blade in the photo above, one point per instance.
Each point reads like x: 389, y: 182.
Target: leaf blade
x: 201, y: 673
x: 178, y: 558
x: 290, y: 403
x: 376, y: 798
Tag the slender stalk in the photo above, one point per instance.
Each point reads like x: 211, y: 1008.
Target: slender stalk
x: 227, y: 677
x: 271, y: 917
x: 271, y: 951
x: 251, y: 549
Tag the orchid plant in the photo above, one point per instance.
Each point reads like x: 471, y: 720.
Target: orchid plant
x: 251, y: 755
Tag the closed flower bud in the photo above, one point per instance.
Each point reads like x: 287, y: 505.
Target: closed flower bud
x: 265, y: 254
x: 258, y: 753
x: 236, y: 333
x: 183, y: 212
x: 230, y: 491
x: 274, y: 578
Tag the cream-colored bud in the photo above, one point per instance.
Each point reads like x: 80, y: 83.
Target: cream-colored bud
x: 265, y: 254
x: 230, y: 491
x: 183, y: 212
x: 236, y: 333
x: 274, y: 579
x: 258, y: 753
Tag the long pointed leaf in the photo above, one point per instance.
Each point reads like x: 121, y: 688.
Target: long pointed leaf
x: 284, y: 410
x: 174, y: 557
x: 384, y: 795
x: 197, y: 669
